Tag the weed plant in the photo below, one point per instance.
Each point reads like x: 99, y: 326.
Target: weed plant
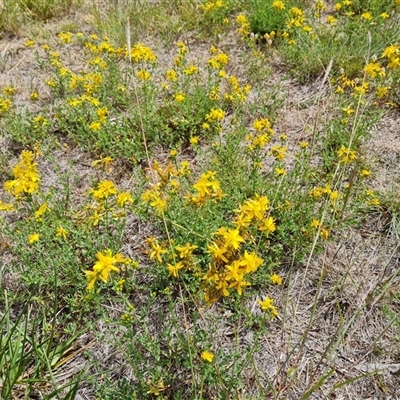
x: 233, y: 204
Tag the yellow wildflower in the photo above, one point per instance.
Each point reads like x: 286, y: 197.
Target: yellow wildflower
x: 29, y: 43
x: 5, y: 105
x: 346, y: 155
x: 95, y: 126
x: 315, y: 223
x: 65, y: 37
x: 373, y: 69
x: 275, y: 278
x: 143, y: 75
x: 40, y: 211
x: 280, y: 171
x: 278, y: 5
x: 279, y: 152
x: 191, y: 70
x: 157, y: 251
x: 174, y: 269
x: 103, y: 162
x: 156, y: 388
x: 303, y: 144
x: 232, y: 238
x: 186, y: 251
x: 267, y: 305
x: 250, y: 261
x: 180, y: 97
x: 102, y: 268
x: 331, y: 20
x: 123, y: 198
x: 217, y: 252
x: 33, y: 238
x: 391, y: 51
x: 218, y: 61
x: 207, y: 356
x: 139, y: 52
x: 171, y: 75
x: 6, y: 207
x: 61, y: 232
x: 382, y: 91
x: 105, y: 189
x: 365, y: 173
x: 268, y: 225
x: 194, y: 140
x: 215, y: 114
x: 34, y: 96
x: 367, y: 16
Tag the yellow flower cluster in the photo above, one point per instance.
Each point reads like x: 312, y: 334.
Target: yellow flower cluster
x: 155, y: 198
x: 278, y: 5
x: 171, y: 75
x: 186, y: 260
x: 235, y: 91
x: 98, y: 62
x: 29, y: 43
x: 34, y: 96
x: 229, y: 267
x: 41, y: 211
x: 268, y: 305
x: 6, y: 206
x: 9, y: 90
x: 326, y: 191
x: 61, y: 232
x: 372, y: 198
x: 319, y: 7
x: 156, y: 250
x: 215, y: 114
x: 104, y: 190
x: 346, y: 155
x: 180, y: 59
x: 367, y: 16
x: 105, y: 265
x: 141, y: 53
x: 244, y: 25
x: 373, y: 69
x: 219, y: 60
x: 179, y: 97
x: 279, y: 152
x: 207, y: 187
x: 182, y: 253
x: 297, y: 18
x: 207, y: 356
x: 26, y: 176
x: 66, y: 37
x: 253, y: 212
x: 191, y: 70
x: 33, y: 238
x: 5, y: 105
x: 323, y: 231
x: 143, y: 75
x: 157, y: 195
x: 104, y: 163
x: 343, y: 83
x: 213, y: 5
x: 108, y: 202
x: 263, y: 135
x: 91, y: 82
x: 331, y: 20
x: 392, y: 56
